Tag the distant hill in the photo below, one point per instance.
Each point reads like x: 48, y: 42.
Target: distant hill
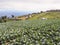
x: 53, y: 10
x: 50, y: 14
x: 47, y: 15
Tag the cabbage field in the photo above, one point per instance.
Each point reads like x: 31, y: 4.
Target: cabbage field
x: 30, y: 32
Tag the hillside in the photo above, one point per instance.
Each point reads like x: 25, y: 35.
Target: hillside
x: 51, y: 14
x: 46, y: 15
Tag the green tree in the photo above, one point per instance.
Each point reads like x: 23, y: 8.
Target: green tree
x: 12, y: 16
x: 4, y: 18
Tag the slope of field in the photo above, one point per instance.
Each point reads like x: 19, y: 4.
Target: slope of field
x: 47, y: 15
x: 30, y: 32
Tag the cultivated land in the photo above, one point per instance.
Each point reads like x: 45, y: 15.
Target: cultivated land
x: 41, y: 29
x: 47, y: 15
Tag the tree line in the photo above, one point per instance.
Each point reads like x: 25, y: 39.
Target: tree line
x: 5, y: 18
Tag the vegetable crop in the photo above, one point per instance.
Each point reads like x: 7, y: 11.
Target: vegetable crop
x: 30, y: 32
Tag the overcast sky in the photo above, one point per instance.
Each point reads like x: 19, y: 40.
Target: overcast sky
x: 29, y: 5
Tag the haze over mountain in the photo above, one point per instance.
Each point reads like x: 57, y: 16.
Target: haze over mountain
x: 13, y: 12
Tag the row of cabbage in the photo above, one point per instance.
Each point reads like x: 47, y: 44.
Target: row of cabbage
x: 35, y: 32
